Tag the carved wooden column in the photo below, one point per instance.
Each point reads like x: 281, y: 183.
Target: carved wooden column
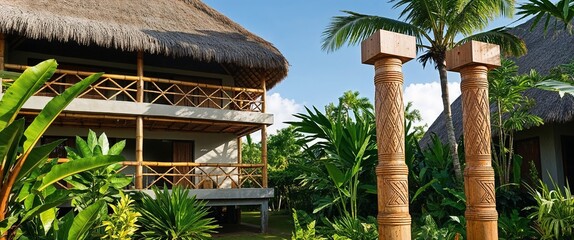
x: 473, y: 60
x: 388, y: 51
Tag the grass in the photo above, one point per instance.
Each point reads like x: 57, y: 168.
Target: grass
x: 280, y: 227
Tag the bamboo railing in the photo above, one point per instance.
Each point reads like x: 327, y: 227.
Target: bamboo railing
x: 114, y: 87
x: 194, y: 175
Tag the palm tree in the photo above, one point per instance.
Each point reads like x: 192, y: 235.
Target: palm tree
x: 562, y: 11
x: 435, y: 24
x: 349, y: 103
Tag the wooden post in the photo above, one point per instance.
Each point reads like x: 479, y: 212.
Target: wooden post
x: 388, y: 51
x: 2, y: 53
x: 264, y: 137
x: 140, y: 83
x: 239, y: 150
x: 139, y: 125
x: 472, y: 60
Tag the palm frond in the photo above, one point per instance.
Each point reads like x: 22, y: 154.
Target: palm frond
x: 422, y: 13
x: 355, y: 27
x: 509, y: 43
x: 562, y: 11
x: 474, y: 15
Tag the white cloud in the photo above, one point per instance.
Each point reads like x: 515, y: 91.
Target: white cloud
x: 282, y: 110
x: 426, y: 97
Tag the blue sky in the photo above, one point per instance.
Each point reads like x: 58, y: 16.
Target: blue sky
x: 317, y: 77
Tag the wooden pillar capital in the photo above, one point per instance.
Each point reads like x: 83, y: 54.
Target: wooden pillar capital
x: 473, y: 60
x: 473, y: 53
x: 387, y: 51
x: 385, y: 44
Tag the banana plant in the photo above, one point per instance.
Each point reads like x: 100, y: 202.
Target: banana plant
x: 19, y: 154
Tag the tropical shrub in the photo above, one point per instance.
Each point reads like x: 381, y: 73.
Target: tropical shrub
x: 554, y: 211
x: 307, y: 233
x: 506, y: 92
x: 25, y: 196
x: 515, y: 227
x: 346, y: 228
x: 429, y: 230
x: 174, y: 214
x: 434, y: 188
x: 342, y: 154
x: 121, y: 225
x: 98, y: 184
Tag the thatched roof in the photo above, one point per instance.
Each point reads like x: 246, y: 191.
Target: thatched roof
x: 545, y: 51
x: 177, y: 28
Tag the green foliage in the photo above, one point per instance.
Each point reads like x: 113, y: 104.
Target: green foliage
x: 557, y: 86
x: 554, y: 211
x: 506, y: 92
x: 307, y: 233
x: 346, y: 228
x: 411, y: 116
x: 434, y: 190
x: 174, y: 214
x: 562, y: 10
x: 349, y: 104
x: 121, y: 224
x: 515, y: 227
x: 99, y: 184
x: 26, y: 177
x: 83, y: 222
x: 346, y: 149
x: 251, y: 151
x: 560, y: 79
x: 431, y: 231
x: 282, y: 147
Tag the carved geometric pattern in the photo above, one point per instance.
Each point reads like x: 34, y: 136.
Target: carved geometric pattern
x: 476, y: 117
x: 398, y: 192
x: 488, y: 187
x: 390, y: 120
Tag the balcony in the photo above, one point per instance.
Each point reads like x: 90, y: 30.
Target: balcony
x: 113, y: 87
x: 193, y: 175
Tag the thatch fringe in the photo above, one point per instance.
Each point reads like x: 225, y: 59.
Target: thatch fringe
x: 178, y: 28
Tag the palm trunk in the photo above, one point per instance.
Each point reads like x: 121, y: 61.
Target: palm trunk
x: 449, y: 127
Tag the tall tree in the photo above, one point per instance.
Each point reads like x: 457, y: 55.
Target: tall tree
x: 435, y: 24
x: 349, y: 103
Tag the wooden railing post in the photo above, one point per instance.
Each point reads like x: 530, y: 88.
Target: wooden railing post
x: 472, y: 60
x: 388, y: 51
x: 139, y: 124
x: 264, y: 137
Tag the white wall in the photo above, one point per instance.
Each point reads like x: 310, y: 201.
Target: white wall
x: 208, y: 147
